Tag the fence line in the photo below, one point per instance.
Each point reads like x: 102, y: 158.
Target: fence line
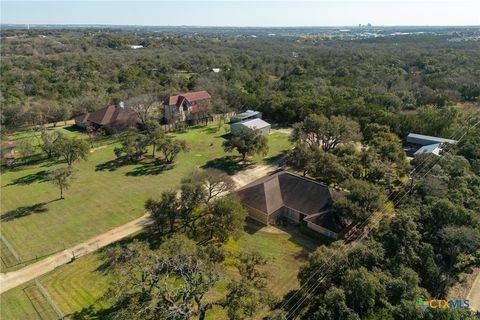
x: 10, y: 248
x: 182, y: 125
x: 49, y: 299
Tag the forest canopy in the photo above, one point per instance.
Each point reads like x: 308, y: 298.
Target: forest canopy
x: 63, y: 73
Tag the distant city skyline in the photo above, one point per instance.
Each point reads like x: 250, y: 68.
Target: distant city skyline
x: 244, y: 13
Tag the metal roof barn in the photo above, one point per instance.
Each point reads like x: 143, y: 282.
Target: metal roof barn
x: 424, y: 140
x: 255, y: 124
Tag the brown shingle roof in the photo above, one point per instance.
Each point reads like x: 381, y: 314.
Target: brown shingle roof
x: 283, y: 188
x: 111, y: 116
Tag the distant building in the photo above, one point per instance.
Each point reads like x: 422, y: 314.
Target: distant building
x: 191, y: 107
x: 255, y: 124
x: 112, y: 118
x: 427, y: 144
x: 284, y: 195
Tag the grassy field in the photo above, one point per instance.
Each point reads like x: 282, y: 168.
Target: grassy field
x: 103, y: 195
x: 77, y: 288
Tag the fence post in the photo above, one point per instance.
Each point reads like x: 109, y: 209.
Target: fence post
x: 49, y: 299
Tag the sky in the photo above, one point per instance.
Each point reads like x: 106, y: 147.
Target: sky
x: 243, y: 13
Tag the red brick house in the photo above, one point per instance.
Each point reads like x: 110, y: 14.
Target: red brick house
x: 191, y: 107
x: 112, y: 118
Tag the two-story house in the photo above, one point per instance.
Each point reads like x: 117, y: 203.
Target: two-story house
x: 191, y: 107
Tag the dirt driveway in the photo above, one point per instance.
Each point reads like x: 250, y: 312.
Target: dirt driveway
x: 13, y: 279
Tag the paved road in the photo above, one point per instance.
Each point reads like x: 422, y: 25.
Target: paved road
x: 13, y: 279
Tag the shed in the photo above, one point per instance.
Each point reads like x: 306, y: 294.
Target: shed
x: 249, y: 114
x: 432, y: 148
x: 254, y: 124
x: 423, y: 140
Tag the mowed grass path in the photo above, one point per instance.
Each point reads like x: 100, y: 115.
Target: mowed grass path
x: 77, y: 288
x: 101, y: 197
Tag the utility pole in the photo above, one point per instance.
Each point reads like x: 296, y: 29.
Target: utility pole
x: 411, y: 178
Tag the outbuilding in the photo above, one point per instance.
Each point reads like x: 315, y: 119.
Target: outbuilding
x: 423, y: 140
x: 249, y: 114
x: 254, y: 124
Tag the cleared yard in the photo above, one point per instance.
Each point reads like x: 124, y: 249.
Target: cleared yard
x: 77, y: 288
x: 103, y: 195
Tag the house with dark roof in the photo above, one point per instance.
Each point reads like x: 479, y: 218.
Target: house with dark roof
x: 191, y: 107
x: 112, y: 118
x: 298, y: 199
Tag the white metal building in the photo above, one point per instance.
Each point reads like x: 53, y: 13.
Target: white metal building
x: 254, y: 124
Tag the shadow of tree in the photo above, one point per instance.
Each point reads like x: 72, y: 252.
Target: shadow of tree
x: 73, y: 128
x: 154, y: 167
x: 252, y: 226
x: 91, y: 313
x: 211, y: 130
x: 229, y: 164
x: 20, y: 164
x: 53, y: 162
x: 39, y: 176
x: 278, y: 159
x: 149, y: 236
x: 111, y: 165
x: 25, y: 211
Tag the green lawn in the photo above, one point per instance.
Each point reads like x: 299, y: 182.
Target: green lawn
x: 15, y: 304
x: 79, y: 286
x: 102, y: 196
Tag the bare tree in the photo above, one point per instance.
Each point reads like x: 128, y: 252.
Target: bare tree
x: 61, y: 177
x: 146, y: 108
x: 215, y: 181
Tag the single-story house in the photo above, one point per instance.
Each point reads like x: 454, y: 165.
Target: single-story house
x: 427, y: 144
x: 255, y: 124
x: 191, y: 107
x: 112, y: 118
x: 300, y: 200
x: 249, y: 114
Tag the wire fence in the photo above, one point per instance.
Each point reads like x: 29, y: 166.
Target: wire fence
x: 44, y: 306
x: 172, y: 127
x: 8, y: 254
x: 49, y: 300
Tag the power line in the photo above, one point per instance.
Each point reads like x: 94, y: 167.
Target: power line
x: 364, y: 234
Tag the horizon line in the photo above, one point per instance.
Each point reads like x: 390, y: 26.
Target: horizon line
x: 236, y: 26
